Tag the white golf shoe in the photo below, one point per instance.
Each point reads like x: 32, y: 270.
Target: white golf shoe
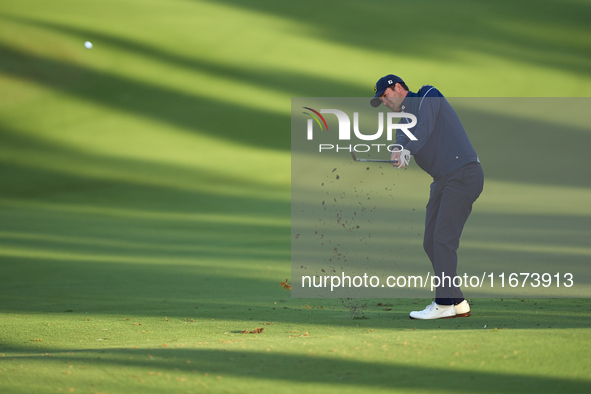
x: 434, y: 311
x: 463, y: 309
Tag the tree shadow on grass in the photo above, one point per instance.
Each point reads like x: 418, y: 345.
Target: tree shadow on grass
x: 290, y: 83
x: 314, y: 369
x: 508, y: 29
x: 210, y: 116
x: 509, y: 147
x: 224, y: 286
x: 191, y: 112
x: 37, y: 168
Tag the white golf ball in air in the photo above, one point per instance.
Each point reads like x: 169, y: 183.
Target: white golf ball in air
x: 88, y: 45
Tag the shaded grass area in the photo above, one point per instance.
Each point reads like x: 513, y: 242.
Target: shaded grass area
x: 508, y: 29
x: 322, y: 349
x: 197, y: 366
x: 180, y: 109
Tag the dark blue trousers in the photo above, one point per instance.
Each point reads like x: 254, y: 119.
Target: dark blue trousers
x: 450, y: 204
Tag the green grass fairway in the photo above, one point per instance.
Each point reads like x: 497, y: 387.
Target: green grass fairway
x: 145, y: 196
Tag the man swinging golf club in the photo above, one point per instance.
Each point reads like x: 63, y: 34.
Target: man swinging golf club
x: 443, y: 150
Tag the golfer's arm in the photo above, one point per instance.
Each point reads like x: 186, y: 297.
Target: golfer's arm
x: 425, y: 126
x: 401, y: 138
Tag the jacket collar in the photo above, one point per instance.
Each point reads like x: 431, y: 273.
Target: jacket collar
x: 407, y: 100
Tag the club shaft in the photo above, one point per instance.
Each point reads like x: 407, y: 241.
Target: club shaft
x: 373, y: 160
x: 378, y: 161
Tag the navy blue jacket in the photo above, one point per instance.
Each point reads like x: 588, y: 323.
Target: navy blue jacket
x: 442, y: 145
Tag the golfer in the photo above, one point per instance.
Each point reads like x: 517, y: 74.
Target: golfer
x: 443, y: 150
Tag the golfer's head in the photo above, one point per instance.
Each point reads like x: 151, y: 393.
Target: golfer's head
x: 381, y: 86
x: 390, y: 91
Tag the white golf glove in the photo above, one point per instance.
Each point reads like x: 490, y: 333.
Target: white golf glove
x: 404, y: 159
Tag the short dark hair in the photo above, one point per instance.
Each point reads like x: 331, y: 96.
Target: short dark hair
x: 403, y: 86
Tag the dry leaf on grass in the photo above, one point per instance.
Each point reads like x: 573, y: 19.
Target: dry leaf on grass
x: 285, y: 285
x: 255, y: 331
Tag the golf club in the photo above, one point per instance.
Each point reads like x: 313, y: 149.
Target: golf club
x: 373, y: 160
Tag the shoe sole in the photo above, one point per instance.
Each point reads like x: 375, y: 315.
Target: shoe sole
x: 446, y: 317
x: 464, y: 314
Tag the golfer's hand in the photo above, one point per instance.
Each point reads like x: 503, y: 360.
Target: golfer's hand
x: 396, y: 157
x: 402, y: 156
